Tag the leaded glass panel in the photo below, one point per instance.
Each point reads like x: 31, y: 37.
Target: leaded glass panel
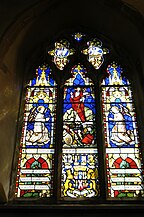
x: 35, y: 167
x: 80, y: 155
x: 123, y: 153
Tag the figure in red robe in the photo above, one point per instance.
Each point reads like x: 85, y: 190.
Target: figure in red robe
x: 77, y: 100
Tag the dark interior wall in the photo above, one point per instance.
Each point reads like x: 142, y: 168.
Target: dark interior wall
x: 11, y: 84
x: 11, y: 10
x: 22, y: 44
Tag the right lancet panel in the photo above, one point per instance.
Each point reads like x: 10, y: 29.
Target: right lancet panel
x: 122, y: 146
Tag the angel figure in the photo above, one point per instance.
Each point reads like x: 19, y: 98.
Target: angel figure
x: 39, y: 135
x: 119, y: 134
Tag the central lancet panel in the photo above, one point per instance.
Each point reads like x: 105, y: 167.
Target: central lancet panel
x: 79, y: 158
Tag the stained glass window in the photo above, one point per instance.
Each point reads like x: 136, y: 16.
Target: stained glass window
x: 123, y: 153
x: 79, y: 162
x: 78, y: 36
x: 35, y: 166
x: 60, y: 53
x: 95, y: 52
x: 62, y: 154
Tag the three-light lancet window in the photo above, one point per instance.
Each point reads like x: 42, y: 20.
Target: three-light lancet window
x: 64, y: 146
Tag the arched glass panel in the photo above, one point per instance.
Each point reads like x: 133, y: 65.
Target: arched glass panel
x: 80, y: 155
x: 123, y: 155
x: 35, y: 165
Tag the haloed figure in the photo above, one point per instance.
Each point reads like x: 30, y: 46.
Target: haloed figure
x: 39, y: 133
x: 119, y: 134
x: 77, y: 100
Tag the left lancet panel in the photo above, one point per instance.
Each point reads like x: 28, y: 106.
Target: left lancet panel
x: 37, y: 145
